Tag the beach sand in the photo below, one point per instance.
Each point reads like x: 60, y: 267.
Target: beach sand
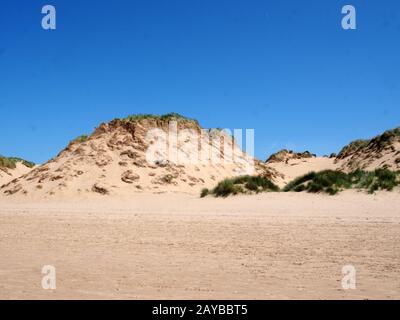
x: 178, y: 246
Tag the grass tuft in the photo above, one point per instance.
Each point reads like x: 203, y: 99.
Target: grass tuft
x: 326, y: 181
x: 164, y: 117
x: 332, y: 182
x: 204, y: 192
x: 11, y: 162
x: 242, y: 184
x: 81, y: 138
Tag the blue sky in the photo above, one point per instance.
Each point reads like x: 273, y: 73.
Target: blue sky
x: 285, y: 68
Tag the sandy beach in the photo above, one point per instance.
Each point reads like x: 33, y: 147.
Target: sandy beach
x: 178, y: 246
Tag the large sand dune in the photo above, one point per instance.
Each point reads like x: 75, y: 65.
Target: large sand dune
x: 114, y: 161
x: 127, y: 157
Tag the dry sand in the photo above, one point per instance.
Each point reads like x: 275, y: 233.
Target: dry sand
x: 297, y: 167
x: 177, y: 246
x: 6, y: 174
x: 123, y: 158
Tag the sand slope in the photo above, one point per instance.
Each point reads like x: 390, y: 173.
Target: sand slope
x: 114, y: 161
x: 7, y: 174
x: 294, y: 168
x: 382, y: 151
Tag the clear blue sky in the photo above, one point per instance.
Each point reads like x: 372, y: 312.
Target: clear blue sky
x: 285, y: 68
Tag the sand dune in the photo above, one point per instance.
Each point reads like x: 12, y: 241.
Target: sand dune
x: 114, y: 161
x: 382, y: 151
x: 7, y: 174
x: 294, y: 168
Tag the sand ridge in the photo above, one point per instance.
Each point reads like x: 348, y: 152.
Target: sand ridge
x: 114, y: 161
x: 7, y: 174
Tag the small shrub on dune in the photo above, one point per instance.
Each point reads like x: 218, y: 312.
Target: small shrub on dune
x: 165, y: 117
x: 134, y: 117
x: 11, y: 162
x: 332, y: 179
x: 332, y: 190
x: 225, y: 188
x: 7, y: 163
x: 259, y: 184
x: 326, y: 181
x: 297, y: 184
x: 243, y: 184
x: 81, y: 138
x: 204, y: 192
x: 380, y: 179
x: 331, y: 182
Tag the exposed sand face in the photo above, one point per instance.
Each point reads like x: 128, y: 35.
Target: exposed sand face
x: 115, y: 161
x: 176, y: 246
x: 369, y: 160
x: 294, y: 168
x: 382, y: 151
x: 6, y: 174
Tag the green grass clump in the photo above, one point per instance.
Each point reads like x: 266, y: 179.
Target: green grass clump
x: 141, y: 116
x: 327, y: 181
x: 380, y: 179
x: 81, y: 138
x: 331, y: 182
x: 166, y: 117
x: 297, y: 184
x: 204, y: 192
x: 7, y: 163
x: 242, y: 184
x: 11, y: 162
x: 226, y: 188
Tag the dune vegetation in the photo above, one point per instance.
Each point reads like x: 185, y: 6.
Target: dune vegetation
x: 332, y: 182
x: 326, y: 181
x: 241, y: 185
x: 81, y: 138
x: 164, y: 117
x: 377, y: 143
x: 11, y: 162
